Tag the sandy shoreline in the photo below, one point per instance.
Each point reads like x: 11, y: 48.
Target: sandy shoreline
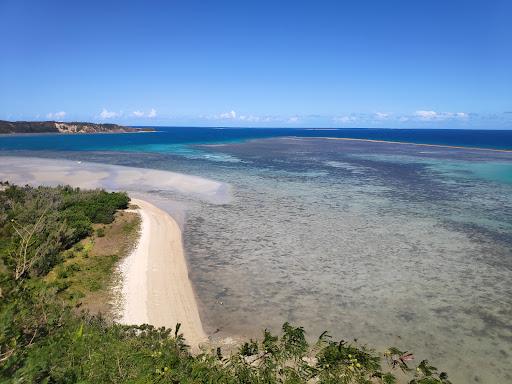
x: 155, y: 286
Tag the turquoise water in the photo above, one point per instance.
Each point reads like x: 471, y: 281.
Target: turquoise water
x: 393, y: 244
x: 491, y: 170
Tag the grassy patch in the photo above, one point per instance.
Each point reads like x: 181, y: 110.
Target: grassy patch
x: 88, y: 271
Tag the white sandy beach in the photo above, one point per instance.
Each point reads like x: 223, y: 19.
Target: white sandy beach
x: 155, y: 286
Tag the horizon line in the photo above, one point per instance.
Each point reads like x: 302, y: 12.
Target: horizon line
x: 259, y: 127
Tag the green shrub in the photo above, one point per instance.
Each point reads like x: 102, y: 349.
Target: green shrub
x: 62, y: 273
x: 54, y: 218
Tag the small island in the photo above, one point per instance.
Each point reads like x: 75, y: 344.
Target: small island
x: 12, y: 127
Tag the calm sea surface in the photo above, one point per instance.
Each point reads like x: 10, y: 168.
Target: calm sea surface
x: 392, y: 244
x: 169, y: 137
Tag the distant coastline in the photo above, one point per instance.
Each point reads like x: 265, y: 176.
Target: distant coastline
x: 26, y: 127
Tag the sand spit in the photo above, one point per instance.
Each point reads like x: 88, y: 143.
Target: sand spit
x: 155, y: 288
x: 416, y: 144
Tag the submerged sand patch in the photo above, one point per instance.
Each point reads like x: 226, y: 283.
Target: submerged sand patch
x: 35, y: 171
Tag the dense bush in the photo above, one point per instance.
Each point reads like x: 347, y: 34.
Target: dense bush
x: 97, y: 206
x: 39, y: 223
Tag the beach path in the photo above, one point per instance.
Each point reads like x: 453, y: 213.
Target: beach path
x: 155, y: 285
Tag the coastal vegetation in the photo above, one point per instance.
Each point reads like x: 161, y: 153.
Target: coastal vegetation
x: 58, y: 248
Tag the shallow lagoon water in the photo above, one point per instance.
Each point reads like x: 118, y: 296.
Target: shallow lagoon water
x: 391, y: 244
x: 413, y: 250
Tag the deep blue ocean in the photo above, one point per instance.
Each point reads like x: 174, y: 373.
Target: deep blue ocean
x: 394, y: 244
x: 495, y: 139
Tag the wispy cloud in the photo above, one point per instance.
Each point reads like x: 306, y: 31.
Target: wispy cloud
x: 426, y: 115
x: 250, y: 118
x: 419, y: 117
x: 433, y: 115
x: 151, y: 113
x: 382, y: 115
x: 56, y: 115
x: 105, y: 114
x: 231, y: 115
x: 344, y: 119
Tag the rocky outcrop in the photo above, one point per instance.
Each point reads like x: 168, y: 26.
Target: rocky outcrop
x: 91, y: 128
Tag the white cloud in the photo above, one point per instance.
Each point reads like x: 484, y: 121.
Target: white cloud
x: 109, y: 114
x: 228, y: 115
x: 56, y: 116
x: 232, y: 115
x: 381, y: 115
x: 150, y: 114
x: 433, y: 115
x: 293, y: 119
x: 250, y: 118
x: 344, y: 119
x: 427, y: 115
x: 266, y: 119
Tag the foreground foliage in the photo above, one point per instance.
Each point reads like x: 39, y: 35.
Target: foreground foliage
x: 44, y: 340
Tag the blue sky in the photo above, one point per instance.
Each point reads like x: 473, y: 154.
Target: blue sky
x: 435, y: 63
